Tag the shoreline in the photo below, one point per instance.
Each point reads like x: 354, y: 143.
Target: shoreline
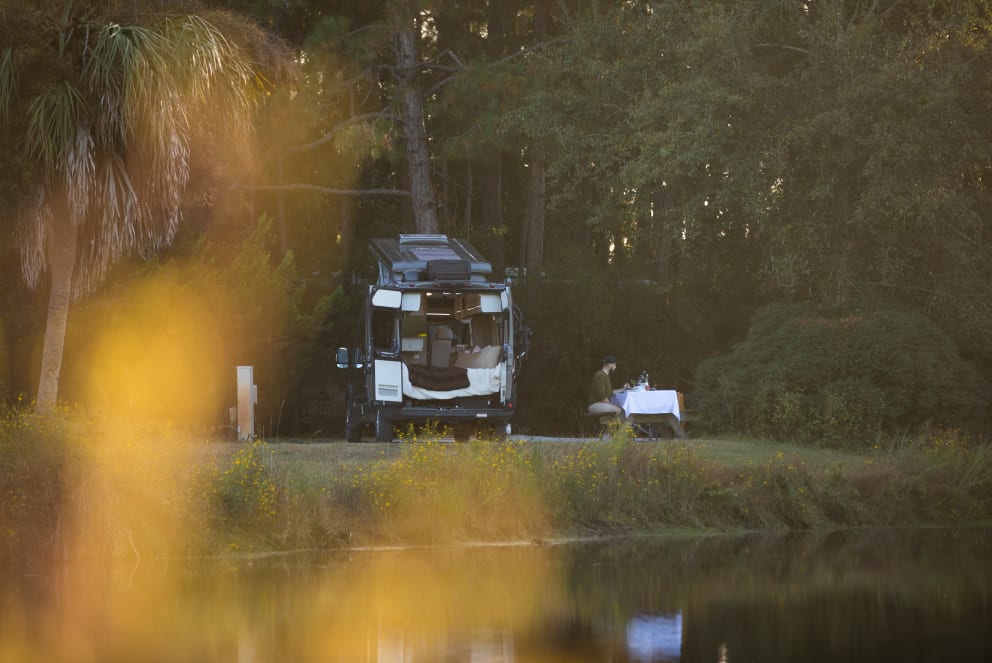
x: 167, y: 494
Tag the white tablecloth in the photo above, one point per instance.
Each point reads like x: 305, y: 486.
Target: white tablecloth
x: 657, y: 401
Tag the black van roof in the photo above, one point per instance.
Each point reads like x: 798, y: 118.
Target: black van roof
x: 420, y: 258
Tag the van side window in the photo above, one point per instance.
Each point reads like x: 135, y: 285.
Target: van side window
x: 384, y: 330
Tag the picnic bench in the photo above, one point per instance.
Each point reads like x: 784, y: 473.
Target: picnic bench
x: 647, y: 423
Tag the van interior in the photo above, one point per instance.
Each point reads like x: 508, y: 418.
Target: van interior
x: 437, y: 328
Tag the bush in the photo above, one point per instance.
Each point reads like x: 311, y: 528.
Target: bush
x: 575, y: 322
x: 622, y: 486
x: 840, y: 376
x: 36, y: 461
x: 245, y: 492
x: 438, y: 492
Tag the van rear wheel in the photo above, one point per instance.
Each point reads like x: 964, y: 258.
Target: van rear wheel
x: 383, y: 428
x: 352, y: 429
x: 353, y: 421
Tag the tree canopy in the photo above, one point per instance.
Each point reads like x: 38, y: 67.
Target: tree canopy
x: 725, y: 155
x: 102, y: 103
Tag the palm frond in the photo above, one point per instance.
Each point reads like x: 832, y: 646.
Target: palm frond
x: 109, y: 234
x: 33, y: 231
x: 203, y: 56
x: 116, y: 53
x: 8, y: 84
x: 171, y: 179
x: 78, y: 171
x: 199, y: 48
x: 270, y: 57
x: 53, y: 119
x: 148, y: 78
x: 117, y: 148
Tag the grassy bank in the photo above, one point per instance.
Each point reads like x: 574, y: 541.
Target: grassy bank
x: 74, y: 486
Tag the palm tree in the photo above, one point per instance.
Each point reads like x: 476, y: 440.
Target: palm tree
x: 104, y: 104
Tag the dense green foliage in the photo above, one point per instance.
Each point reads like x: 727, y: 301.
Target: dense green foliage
x: 773, y: 151
x: 693, y: 162
x: 105, y: 104
x: 840, y: 375
x: 575, y: 322
x: 162, y: 344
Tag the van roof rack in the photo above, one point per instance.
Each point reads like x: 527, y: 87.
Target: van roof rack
x: 420, y: 258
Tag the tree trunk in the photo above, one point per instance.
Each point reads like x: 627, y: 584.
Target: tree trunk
x: 444, y: 213
x: 491, y: 165
x: 468, y: 199
x: 4, y: 362
x: 61, y: 262
x: 281, y: 210
x: 491, y: 193
x: 421, y: 191
x: 663, y: 239
x: 533, y: 256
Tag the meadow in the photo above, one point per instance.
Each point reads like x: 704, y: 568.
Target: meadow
x: 72, y: 485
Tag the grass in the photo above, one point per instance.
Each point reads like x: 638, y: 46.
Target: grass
x: 749, y: 452
x: 72, y: 484
x: 592, y: 486
x: 319, y: 459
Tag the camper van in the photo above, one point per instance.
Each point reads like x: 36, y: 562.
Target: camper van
x: 440, y: 340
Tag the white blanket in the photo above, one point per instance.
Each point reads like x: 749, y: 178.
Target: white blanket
x: 481, y: 382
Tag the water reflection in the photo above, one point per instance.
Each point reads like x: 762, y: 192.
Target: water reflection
x: 873, y: 596
x: 655, y: 638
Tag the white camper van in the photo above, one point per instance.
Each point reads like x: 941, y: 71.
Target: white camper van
x: 441, y: 340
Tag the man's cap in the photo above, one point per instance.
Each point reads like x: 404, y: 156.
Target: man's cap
x: 609, y: 359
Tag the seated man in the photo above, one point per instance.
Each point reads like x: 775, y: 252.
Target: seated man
x: 601, y: 393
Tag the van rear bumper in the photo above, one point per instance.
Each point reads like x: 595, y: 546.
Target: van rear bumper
x: 449, y: 414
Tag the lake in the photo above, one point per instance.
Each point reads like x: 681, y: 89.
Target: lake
x: 878, y: 595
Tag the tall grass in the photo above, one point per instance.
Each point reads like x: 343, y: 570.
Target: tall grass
x: 36, y: 468
x: 74, y: 485
x: 71, y: 485
x: 437, y: 491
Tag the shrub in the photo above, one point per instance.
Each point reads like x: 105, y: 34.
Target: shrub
x: 839, y: 375
x: 71, y: 486
x: 436, y: 491
x: 36, y: 461
x: 622, y: 486
x: 245, y: 492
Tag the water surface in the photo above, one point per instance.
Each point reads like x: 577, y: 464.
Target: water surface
x: 881, y: 595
